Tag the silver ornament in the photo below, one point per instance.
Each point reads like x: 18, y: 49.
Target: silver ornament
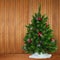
x: 24, y: 47
x: 38, y: 45
x: 31, y: 28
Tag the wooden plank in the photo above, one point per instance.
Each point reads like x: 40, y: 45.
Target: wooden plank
x: 6, y: 27
x: 11, y: 26
x: 25, y: 57
x: 58, y: 41
x: 55, y: 21
x: 17, y: 24
x: 1, y: 26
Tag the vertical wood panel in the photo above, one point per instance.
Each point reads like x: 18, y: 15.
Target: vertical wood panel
x: 18, y: 23
x: 15, y: 14
x: 55, y: 20
x: 30, y: 11
x: 2, y: 43
x: 12, y: 25
x: 59, y: 27
x: 6, y: 46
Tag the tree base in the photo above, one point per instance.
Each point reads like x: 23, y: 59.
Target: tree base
x: 40, y: 56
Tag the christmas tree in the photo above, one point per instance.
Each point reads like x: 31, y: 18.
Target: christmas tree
x: 39, y: 37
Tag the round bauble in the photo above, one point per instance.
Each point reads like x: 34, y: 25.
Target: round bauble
x: 29, y: 40
x: 39, y: 18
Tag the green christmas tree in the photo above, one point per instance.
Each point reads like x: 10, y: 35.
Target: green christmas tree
x: 39, y: 37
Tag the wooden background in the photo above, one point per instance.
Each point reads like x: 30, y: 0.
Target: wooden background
x: 15, y: 14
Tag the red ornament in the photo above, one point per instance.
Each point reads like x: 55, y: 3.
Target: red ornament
x: 39, y: 34
x: 39, y: 18
x: 29, y: 40
x: 46, y: 25
x: 52, y: 39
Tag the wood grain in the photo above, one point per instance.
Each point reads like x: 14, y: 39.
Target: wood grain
x: 25, y: 57
x: 16, y: 14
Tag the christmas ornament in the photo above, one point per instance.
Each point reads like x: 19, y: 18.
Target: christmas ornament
x: 46, y: 25
x: 39, y: 18
x: 29, y: 40
x: 31, y: 28
x: 24, y: 47
x: 53, y: 40
x: 39, y: 34
x: 38, y: 45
